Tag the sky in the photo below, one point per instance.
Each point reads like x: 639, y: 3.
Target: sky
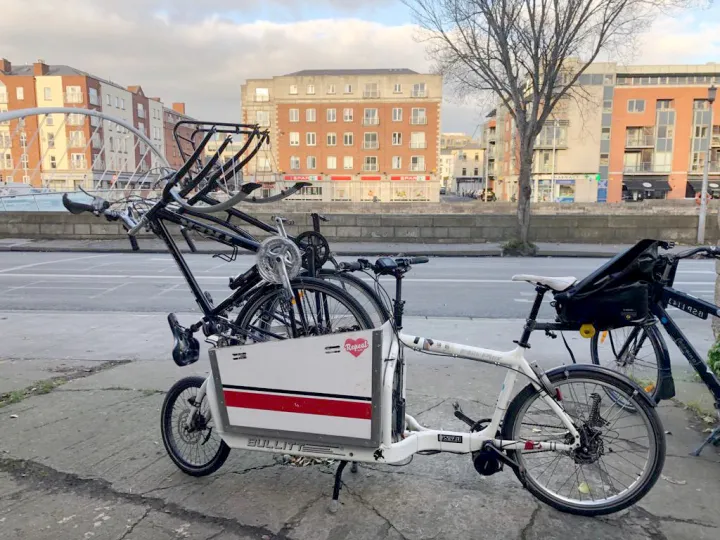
x: 201, y: 52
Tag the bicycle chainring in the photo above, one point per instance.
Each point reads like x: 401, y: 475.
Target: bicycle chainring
x: 311, y: 238
x: 276, y: 251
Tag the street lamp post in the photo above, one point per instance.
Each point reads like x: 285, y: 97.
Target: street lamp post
x: 712, y: 91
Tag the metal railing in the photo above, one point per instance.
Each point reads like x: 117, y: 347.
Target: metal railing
x: 370, y: 168
x: 418, y: 93
x: 639, y: 141
x: 261, y: 99
x: 371, y: 145
x: 646, y: 167
x: 371, y: 121
x: 371, y: 94
x: 714, y: 167
x: 74, y: 97
x: 418, y: 120
x: 418, y: 145
x: 417, y: 168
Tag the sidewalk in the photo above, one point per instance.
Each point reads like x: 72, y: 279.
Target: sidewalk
x: 153, y: 245
x: 85, y: 461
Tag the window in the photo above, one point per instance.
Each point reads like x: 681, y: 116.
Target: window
x: 51, y: 140
x: 370, y: 117
x: 75, y: 119
x: 418, y: 117
x: 311, y: 162
x: 605, y: 134
x: 77, y: 139
x: 140, y: 110
x: 604, y: 160
x: 24, y: 161
x: 347, y: 115
x: 417, y: 140
x: 294, y: 115
x: 476, y: 171
x: 141, y: 126
x: 332, y: 163
x: 417, y: 163
x: 371, y: 90
x: 23, y: 140
x: 607, y: 105
x: 331, y: 115
x: 310, y: 115
x: 664, y: 104
x: 347, y: 162
x: 294, y: 138
x: 262, y: 95
x: 370, y: 164
x: 53, y: 162
x: 108, y: 99
x: 397, y: 138
x: 370, y: 141
x: 700, y: 104
x: 310, y: 90
x: 419, y: 90
x: 262, y: 118
x: 397, y: 89
x: 122, y: 103
x: 293, y: 92
x: 348, y: 139
x: 294, y: 163
x: 47, y: 93
x: 700, y: 132
x: 331, y: 139
x: 397, y: 114
x: 348, y: 88
x: 310, y: 138
x: 78, y: 161
x: 8, y: 161
x: 263, y: 164
x: 20, y: 93
x: 397, y: 162
x: 331, y: 89
x: 636, y: 105
x: 117, y: 102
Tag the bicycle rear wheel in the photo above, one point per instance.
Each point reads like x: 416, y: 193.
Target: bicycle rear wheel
x: 360, y: 291
x: 314, y: 308
x: 621, y: 454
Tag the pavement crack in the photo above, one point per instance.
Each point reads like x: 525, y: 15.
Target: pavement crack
x: 654, y: 518
x: 368, y: 505
x: 257, y: 468
x: 215, y: 535
x: 295, y: 520
x: 42, y: 477
x: 131, y: 528
x: 432, y: 407
x: 527, y: 528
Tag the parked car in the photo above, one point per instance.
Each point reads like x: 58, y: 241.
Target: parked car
x: 443, y: 190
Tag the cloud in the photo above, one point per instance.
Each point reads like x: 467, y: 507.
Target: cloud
x: 201, y: 52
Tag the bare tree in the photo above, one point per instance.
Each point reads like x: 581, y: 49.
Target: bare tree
x: 529, y: 54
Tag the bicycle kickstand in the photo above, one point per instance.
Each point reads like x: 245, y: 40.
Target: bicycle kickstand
x: 334, y: 503
x: 713, y: 438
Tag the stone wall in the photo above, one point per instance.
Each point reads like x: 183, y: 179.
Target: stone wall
x: 430, y: 228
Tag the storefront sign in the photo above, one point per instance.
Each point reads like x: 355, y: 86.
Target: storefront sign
x: 565, y: 182
x: 344, y: 178
x: 302, y: 177
x: 411, y: 178
x: 372, y: 178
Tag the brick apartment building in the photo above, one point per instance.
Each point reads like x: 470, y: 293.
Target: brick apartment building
x: 642, y: 133
x: 357, y: 135
x: 41, y: 154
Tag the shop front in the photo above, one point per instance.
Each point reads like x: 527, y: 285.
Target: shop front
x: 556, y: 190
x: 647, y: 187
x: 695, y: 187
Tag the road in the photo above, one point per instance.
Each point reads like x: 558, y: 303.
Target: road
x: 134, y: 282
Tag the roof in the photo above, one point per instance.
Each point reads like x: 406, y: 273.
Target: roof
x: 318, y: 72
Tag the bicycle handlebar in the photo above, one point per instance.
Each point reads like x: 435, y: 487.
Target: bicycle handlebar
x: 710, y: 251
x: 383, y: 265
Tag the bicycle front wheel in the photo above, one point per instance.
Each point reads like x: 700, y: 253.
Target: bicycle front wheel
x: 634, y: 351
x: 368, y: 299
x: 314, y: 308
x: 621, y: 452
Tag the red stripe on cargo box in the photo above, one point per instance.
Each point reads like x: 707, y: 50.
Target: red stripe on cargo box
x: 297, y: 404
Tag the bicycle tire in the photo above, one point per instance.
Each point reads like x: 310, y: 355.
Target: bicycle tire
x: 271, y: 293
x: 643, y: 406
x: 203, y: 469
x: 652, y: 333
x: 373, y: 305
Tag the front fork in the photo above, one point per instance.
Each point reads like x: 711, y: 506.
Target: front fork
x: 195, y: 406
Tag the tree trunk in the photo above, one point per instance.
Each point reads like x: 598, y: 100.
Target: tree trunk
x: 524, y: 200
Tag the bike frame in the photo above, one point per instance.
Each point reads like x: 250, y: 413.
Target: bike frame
x: 417, y: 438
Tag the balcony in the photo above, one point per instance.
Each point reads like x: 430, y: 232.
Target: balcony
x: 370, y: 168
x: 74, y: 97
x: 639, y: 141
x: 370, y: 145
x: 371, y: 94
x: 418, y: 145
x: 715, y: 139
x: 371, y: 121
x: 544, y: 168
x: 418, y: 120
x: 418, y: 93
x: 699, y: 168
x: 559, y: 144
x: 262, y: 99
x: 418, y: 167
x: 646, y: 167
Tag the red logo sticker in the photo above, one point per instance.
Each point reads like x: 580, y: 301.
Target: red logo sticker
x: 356, y: 346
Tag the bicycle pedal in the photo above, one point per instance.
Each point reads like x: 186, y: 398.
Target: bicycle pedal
x: 460, y: 415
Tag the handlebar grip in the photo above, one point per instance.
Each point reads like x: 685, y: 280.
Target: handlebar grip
x: 137, y: 228
x: 417, y: 260
x: 352, y: 267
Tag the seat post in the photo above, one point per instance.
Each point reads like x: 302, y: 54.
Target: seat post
x: 530, y: 321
